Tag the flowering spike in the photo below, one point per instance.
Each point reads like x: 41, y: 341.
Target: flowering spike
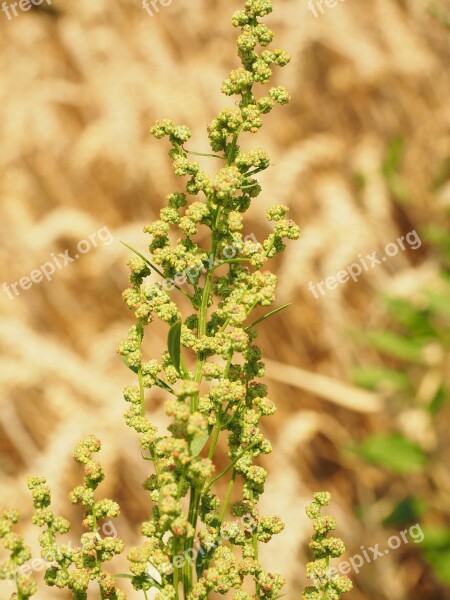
x: 218, y: 336
x: 326, y: 583
x: 10, y: 569
x: 73, y: 567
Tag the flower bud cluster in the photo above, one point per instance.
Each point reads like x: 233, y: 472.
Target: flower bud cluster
x: 74, y: 567
x: 324, y: 548
x: 19, y: 555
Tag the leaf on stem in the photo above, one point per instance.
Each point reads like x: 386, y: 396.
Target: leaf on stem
x: 270, y: 314
x: 163, y: 385
x: 145, y: 259
x: 159, y: 382
x: 174, y: 345
x: 198, y: 443
x: 152, y: 266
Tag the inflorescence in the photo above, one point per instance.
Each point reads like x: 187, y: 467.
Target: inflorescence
x: 19, y: 555
x: 327, y: 585
x: 217, y: 340
x: 195, y: 543
x: 74, y: 567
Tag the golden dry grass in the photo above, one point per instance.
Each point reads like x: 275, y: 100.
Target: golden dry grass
x: 81, y: 84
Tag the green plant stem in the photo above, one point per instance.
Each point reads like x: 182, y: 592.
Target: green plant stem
x: 231, y: 261
x: 19, y: 593
x: 231, y: 465
x: 224, y: 509
x: 270, y: 314
x: 255, y: 550
x: 215, y: 438
x: 175, y: 570
x: 194, y: 500
x: 231, y: 152
x: 227, y: 498
x: 141, y: 391
x: 195, y: 495
x: 142, y: 396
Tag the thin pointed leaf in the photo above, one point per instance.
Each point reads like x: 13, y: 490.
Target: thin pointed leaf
x: 174, y: 345
x: 143, y: 258
x: 139, y: 579
x: 160, y: 273
x: 198, y: 443
x: 159, y: 382
x: 270, y: 314
x: 163, y: 385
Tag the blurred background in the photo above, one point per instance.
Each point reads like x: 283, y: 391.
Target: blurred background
x: 361, y: 157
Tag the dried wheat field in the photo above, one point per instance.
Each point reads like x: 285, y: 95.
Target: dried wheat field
x: 361, y: 156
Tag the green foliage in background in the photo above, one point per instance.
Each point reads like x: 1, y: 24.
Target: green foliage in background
x: 413, y: 377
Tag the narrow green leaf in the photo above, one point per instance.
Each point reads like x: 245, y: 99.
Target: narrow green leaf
x: 198, y: 443
x: 163, y: 385
x: 174, y: 345
x: 145, y: 259
x: 203, y: 556
x: 416, y: 320
x: 159, y: 382
x: 151, y: 265
x: 270, y: 314
x: 140, y: 579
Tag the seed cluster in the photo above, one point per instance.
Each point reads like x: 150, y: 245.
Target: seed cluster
x: 326, y: 584
x: 19, y: 555
x: 74, y: 567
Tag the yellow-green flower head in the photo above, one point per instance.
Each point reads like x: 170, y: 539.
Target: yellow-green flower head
x: 270, y: 584
x: 40, y: 492
x: 240, y: 81
x: 258, y: 8
x: 280, y: 94
x: 178, y: 134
